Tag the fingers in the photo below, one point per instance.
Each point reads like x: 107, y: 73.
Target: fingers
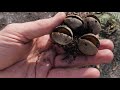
x: 30, y: 30
x: 41, y: 27
x: 74, y: 73
x: 103, y: 56
x: 106, y: 44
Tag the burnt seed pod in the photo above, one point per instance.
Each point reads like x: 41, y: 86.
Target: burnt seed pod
x: 87, y: 47
x: 94, y: 17
x: 73, y: 21
x: 91, y: 37
x: 92, y: 24
x: 62, y: 35
x: 88, y: 44
x: 76, y: 35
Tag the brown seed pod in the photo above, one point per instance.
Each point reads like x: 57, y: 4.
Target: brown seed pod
x: 92, y: 24
x: 91, y: 37
x: 87, y: 47
x: 94, y: 17
x: 77, y: 36
x: 62, y: 35
x: 73, y: 21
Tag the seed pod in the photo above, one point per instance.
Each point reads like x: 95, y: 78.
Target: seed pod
x: 92, y: 38
x: 87, y: 47
x: 92, y: 24
x: 88, y: 44
x: 94, y: 17
x: 62, y: 35
x: 73, y: 21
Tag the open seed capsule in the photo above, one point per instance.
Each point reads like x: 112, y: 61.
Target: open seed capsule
x: 92, y: 38
x: 87, y: 47
x: 62, y: 35
x: 88, y: 44
x: 92, y: 23
x: 73, y: 21
x: 94, y: 17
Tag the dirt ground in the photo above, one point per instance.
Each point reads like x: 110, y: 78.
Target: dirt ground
x: 111, y: 70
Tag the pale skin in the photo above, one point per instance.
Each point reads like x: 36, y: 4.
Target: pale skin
x: 26, y: 51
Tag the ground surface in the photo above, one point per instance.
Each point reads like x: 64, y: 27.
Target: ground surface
x: 111, y: 70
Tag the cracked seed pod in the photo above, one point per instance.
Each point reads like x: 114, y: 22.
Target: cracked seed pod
x: 62, y: 35
x: 91, y: 37
x: 92, y: 23
x: 73, y: 21
x: 88, y: 44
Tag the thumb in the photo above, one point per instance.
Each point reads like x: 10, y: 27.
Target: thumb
x: 34, y: 29
x: 41, y: 27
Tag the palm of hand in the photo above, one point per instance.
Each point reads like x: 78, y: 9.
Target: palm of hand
x: 49, y: 63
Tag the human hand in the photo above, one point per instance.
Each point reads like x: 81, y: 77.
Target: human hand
x: 26, y: 50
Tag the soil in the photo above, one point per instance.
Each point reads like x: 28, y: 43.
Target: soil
x: 111, y: 70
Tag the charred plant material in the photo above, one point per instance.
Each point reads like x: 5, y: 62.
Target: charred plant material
x: 62, y: 35
x: 92, y: 24
x: 77, y: 35
x: 88, y: 44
